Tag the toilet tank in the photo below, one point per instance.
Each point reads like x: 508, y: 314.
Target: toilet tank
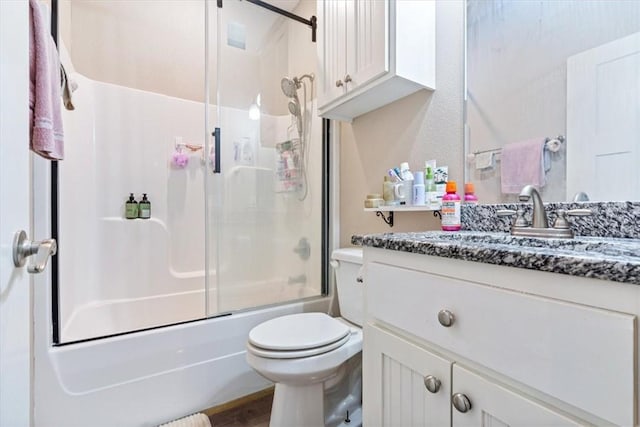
x: 347, y: 263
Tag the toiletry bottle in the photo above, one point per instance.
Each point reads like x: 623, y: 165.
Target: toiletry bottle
x: 431, y: 195
x: 418, y: 188
x: 388, y: 191
x: 469, y: 194
x: 131, y: 208
x: 450, y: 210
x: 144, y: 207
x: 405, y: 172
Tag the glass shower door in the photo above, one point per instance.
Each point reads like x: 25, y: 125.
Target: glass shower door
x: 265, y: 205
x: 138, y: 127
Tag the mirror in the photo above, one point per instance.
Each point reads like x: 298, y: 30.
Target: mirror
x: 550, y: 68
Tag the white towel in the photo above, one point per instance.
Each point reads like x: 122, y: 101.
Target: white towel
x: 195, y: 420
x: 485, y: 160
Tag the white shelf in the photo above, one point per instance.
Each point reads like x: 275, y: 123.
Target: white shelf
x: 401, y: 209
x: 391, y: 209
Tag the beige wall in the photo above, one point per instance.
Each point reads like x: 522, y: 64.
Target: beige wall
x: 423, y: 126
x: 158, y: 46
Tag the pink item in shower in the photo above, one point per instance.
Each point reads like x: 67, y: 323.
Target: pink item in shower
x: 179, y: 159
x: 522, y: 163
x: 47, y: 137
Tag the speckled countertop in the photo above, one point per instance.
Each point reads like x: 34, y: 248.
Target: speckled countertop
x: 612, y: 259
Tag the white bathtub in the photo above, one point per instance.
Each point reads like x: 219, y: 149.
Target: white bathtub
x: 149, y: 377
x: 110, y: 317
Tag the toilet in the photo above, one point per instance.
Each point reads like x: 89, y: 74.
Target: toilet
x: 314, y: 359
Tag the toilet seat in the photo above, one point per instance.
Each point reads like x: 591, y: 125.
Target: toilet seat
x: 297, y: 335
x: 296, y: 354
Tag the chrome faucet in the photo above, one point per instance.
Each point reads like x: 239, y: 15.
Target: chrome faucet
x: 539, y: 214
x: 540, y: 224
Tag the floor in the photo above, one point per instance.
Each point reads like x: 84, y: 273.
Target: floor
x: 252, y: 414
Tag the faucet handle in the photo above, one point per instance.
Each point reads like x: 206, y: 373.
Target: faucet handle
x: 561, y: 219
x: 579, y: 212
x: 520, y: 220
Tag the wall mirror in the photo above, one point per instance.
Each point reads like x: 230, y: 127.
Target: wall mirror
x: 549, y: 68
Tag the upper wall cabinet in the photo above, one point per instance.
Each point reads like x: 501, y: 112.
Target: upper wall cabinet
x: 372, y: 53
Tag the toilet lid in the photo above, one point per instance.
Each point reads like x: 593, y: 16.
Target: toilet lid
x: 298, y: 332
x: 296, y: 354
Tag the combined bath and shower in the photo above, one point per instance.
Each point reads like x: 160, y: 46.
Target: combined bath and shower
x: 290, y: 87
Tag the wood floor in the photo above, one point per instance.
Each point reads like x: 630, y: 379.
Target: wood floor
x: 254, y: 413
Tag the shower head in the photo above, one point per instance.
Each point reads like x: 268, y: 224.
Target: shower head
x: 289, y: 86
x: 294, y: 108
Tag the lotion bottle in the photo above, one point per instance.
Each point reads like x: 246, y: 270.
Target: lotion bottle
x: 131, y: 208
x: 450, y: 210
x: 144, y: 207
x: 418, y: 188
x: 431, y: 195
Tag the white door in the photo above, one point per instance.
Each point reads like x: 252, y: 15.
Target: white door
x: 494, y: 405
x: 15, y: 304
x: 603, y: 121
x: 396, y: 374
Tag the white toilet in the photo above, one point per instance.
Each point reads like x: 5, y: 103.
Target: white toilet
x: 315, y: 359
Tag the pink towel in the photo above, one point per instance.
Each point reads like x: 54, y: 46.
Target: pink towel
x: 522, y: 163
x: 47, y: 138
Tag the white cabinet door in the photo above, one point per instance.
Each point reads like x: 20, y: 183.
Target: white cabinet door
x: 332, y: 14
x: 367, y: 47
x: 394, y: 391
x: 495, y: 405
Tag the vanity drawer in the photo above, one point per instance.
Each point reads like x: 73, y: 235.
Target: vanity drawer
x: 581, y: 355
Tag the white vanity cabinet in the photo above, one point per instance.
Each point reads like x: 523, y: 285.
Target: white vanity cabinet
x: 396, y: 375
x: 408, y: 385
x: 372, y: 53
x: 522, y: 346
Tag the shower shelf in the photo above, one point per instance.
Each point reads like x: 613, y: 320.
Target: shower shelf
x: 391, y: 209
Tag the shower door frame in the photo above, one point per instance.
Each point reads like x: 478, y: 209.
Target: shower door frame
x: 329, y: 233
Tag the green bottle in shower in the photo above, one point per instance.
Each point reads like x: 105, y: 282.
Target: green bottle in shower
x: 131, y: 208
x: 144, y: 207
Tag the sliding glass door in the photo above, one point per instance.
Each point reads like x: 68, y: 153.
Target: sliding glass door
x: 267, y: 197
x: 151, y: 81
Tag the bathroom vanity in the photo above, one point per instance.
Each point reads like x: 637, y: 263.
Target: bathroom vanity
x: 455, y: 335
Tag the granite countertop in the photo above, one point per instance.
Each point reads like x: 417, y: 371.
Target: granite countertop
x: 615, y: 259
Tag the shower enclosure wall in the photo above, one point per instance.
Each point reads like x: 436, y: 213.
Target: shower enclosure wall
x: 154, y: 80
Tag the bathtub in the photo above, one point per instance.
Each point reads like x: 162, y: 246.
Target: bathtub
x: 110, y: 317
x: 149, y: 377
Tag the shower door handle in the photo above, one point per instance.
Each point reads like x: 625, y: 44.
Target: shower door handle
x: 24, y: 248
x: 216, y: 150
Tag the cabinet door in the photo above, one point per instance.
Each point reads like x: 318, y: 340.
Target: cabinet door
x: 495, y: 405
x: 332, y: 17
x: 394, y: 391
x: 367, y: 41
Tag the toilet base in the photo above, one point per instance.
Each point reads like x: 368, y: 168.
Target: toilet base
x: 301, y: 406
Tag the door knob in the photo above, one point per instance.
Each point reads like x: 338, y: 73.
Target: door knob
x: 347, y: 78
x: 446, y: 318
x: 24, y: 248
x: 432, y: 383
x: 339, y: 83
x: 461, y: 402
